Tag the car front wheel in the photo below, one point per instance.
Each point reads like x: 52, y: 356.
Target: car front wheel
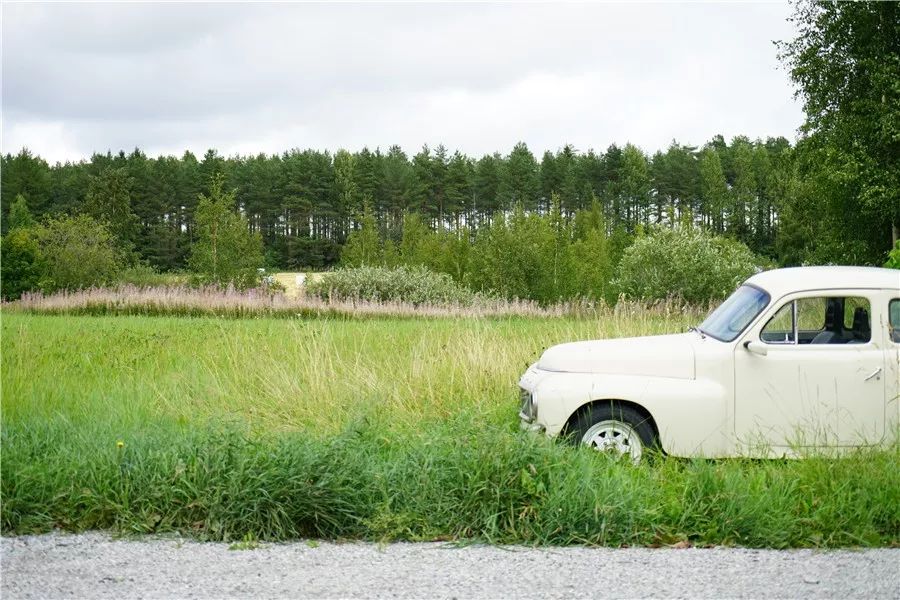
x: 619, y: 431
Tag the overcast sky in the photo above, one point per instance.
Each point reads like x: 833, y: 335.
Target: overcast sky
x: 244, y: 78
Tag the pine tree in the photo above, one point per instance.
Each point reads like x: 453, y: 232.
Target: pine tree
x: 108, y: 201
x: 713, y: 189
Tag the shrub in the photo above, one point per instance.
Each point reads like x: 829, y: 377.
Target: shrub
x: 685, y: 262
x: 413, y: 285
x: 21, y: 266
x: 77, y: 252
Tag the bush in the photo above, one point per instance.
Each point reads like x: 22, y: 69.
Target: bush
x: 77, y: 252
x: 21, y: 266
x: 413, y: 285
x: 687, y: 263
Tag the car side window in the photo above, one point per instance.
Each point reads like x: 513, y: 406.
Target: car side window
x: 894, y: 319
x: 821, y: 320
x: 861, y: 329
x: 780, y: 328
x: 850, y: 306
x: 818, y: 319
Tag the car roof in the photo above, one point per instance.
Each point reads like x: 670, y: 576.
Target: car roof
x: 779, y: 282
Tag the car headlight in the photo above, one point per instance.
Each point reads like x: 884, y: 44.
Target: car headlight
x: 528, y: 411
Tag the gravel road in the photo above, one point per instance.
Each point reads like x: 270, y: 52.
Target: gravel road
x: 95, y: 565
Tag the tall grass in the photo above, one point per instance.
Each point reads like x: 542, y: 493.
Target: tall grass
x: 452, y: 480
x: 214, y: 301
x: 379, y: 429
x: 273, y: 374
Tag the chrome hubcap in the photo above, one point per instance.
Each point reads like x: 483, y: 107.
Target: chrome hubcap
x: 614, y: 438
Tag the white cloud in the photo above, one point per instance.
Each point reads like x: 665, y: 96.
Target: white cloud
x: 265, y: 78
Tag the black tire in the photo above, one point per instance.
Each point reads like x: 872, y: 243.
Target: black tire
x: 608, y: 427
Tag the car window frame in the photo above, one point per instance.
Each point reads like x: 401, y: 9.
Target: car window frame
x: 891, y: 330
x: 826, y: 293
x: 791, y: 342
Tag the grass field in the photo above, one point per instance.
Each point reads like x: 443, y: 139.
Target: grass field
x: 264, y: 428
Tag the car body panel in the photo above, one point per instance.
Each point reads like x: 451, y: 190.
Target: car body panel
x: 658, y: 355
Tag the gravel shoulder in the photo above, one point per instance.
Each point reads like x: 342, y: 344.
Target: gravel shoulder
x: 95, y: 565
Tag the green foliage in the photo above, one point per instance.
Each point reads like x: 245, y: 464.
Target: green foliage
x: 594, y: 256
x: 77, y: 252
x: 635, y: 185
x: 845, y: 63
x: 108, y: 200
x: 145, y: 276
x: 63, y: 253
x: 440, y: 251
x: 684, y: 262
x: 414, y: 285
x: 820, y: 204
x: 545, y: 257
x: 19, y: 215
x: 225, y: 251
x: 306, y: 203
x: 363, y: 247
x: 520, y: 182
x: 893, y: 261
x: 21, y: 267
x: 515, y: 257
x: 27, y: 175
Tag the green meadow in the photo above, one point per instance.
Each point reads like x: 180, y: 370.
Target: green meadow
x: 371, y: 428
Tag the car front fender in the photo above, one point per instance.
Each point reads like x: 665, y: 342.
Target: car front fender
x: 691, y: 415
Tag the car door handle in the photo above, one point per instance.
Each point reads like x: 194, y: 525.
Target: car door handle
x: 874, y: 373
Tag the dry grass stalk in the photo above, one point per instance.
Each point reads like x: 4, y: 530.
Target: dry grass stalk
x: 180, y: 300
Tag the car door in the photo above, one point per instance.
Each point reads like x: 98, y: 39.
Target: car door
x: 815, y: 377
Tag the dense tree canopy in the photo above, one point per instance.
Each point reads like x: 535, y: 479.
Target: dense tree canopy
x: 845, y: 63
x: 305, y: 203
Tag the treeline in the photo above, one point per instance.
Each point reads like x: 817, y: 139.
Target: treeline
x: 304, y: 204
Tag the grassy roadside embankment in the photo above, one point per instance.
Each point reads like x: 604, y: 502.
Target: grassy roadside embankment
x: 370, y: 428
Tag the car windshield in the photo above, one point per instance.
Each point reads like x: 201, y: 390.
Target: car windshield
x: 729, y: 320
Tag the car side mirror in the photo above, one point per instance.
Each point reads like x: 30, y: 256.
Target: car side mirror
x: 756, y: 348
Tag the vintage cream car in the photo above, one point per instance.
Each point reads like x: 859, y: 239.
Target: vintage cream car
x: 794, y: 360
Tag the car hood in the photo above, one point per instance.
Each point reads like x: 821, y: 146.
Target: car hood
x: 656, y: 356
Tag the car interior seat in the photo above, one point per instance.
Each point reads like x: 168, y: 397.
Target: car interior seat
x: 862, y: 329
x: 832, y: 334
